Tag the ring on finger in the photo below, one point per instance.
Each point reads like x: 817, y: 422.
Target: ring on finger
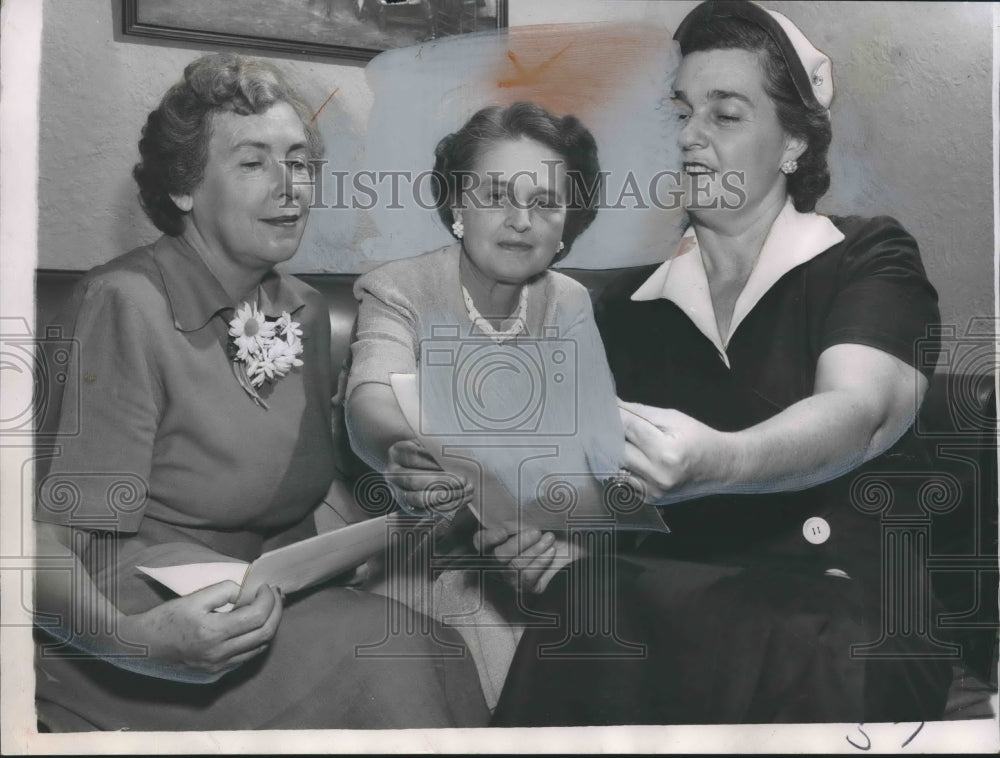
x: 623, y: 478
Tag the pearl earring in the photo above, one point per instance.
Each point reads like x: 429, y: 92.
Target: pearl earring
x: 562, y: 246
x: 790, y: 166
x: 458, y: 228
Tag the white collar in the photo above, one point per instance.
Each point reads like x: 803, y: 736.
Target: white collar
x: 793, y: 239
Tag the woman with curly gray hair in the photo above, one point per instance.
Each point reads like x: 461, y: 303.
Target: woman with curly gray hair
x: 206, y: 387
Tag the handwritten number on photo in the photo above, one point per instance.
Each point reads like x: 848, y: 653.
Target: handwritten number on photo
x: 868, y: 742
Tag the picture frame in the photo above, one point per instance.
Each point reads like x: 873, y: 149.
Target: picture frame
x: 355, y: 30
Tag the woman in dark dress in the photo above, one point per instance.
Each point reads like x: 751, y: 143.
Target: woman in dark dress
x: 770, y: 356
x: 205, y: 434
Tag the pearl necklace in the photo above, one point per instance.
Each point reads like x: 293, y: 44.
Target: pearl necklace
x: 487, y: 328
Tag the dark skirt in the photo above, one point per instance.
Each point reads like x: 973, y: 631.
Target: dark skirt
x: 332, y: 665
x: 668, y: 641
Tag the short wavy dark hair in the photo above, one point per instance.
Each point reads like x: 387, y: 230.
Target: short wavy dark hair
x: 457, y: 154
x: 808, y: 122
x: 173, y: 149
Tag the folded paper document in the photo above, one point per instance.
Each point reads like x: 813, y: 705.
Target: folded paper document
x: 290, y: 568
x: 524, y: 480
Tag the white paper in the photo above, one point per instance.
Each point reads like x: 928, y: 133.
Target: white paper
x: 192, y: 577
x: 306, y: 563
x: 289, y: 569
x: 494, y: 503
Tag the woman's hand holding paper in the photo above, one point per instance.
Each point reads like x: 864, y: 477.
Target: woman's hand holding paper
x: 531, y: 553
x: 188, y: 633
x: 424, y: 485
x: 670, y: 456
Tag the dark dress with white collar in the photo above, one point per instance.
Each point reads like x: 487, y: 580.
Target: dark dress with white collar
x: 745, y: 612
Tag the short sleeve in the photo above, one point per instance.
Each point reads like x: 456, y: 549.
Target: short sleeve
x: 599, y: 423
x: 884, y: 299
x: 99, y: 476
x: 385, y: 337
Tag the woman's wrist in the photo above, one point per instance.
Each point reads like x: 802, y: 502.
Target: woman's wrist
x: 121, y: 641
x: 729, y: 458
x: 134, y: 652
x: 130, y: 634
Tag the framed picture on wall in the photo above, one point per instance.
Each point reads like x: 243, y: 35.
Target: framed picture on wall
x: 347, y: 29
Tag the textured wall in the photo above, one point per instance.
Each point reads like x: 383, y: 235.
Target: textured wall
x: 95, y: 95
x: 913, y: 132
x: 911, y: 119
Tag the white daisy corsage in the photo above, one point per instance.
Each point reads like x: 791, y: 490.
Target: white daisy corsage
x: 262, y: 350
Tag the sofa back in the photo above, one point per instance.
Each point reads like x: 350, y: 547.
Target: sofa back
x: 53, y: 288
x: 956, y: 402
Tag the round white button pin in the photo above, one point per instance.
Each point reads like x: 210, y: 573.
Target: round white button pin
x: 816, y: 530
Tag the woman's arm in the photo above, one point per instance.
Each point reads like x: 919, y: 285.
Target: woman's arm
x: 863, y: 401
x: 386, y: 343
x: 379, y: 427
x: 376, y: 423
x: 119, y: 409
x: 182, y: 640
x: 865, y: 394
